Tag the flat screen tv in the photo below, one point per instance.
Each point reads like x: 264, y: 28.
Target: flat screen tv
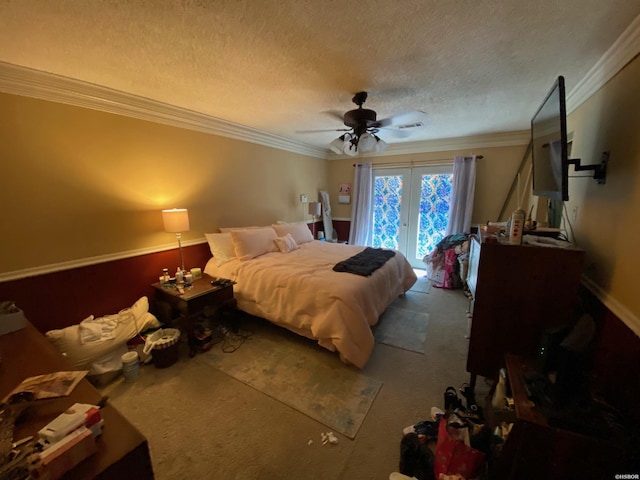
x: 549, y: 146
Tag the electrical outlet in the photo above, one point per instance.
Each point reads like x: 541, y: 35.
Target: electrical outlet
x: 303, y: 198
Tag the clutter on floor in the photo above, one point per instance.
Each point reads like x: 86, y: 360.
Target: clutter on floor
x: 227, y: 332
x: 447, y: 263
x: 97, y: 344
x: 454, y: 443
x: 162, y: 345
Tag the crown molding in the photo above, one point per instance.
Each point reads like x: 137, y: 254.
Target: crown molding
x: 85, y: 262
x: 623, y: 50
x: 28, y: 82
x: 503, y: 139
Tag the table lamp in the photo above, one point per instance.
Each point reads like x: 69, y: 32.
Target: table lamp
x: 176, y: 221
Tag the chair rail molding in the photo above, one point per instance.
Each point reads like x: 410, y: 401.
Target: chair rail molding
x: 85, y: 262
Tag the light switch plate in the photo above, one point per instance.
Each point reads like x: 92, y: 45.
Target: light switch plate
x: 303, y: 198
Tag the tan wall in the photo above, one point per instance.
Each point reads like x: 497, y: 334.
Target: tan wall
x: 78, y: 183
x: 495, y: 173
x: 607, y: 222
x: 604, y: 218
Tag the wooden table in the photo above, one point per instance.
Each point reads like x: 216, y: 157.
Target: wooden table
x: 535, y: 449
x: 123, y: 451
x: 195, y: 299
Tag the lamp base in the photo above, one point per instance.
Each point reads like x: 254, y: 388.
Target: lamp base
x: 179, y: 237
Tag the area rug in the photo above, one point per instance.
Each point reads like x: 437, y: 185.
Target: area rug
x: 303, y: 375
x: 423, y: 285
x: 402, y: 328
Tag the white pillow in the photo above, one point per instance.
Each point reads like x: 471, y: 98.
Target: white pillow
x: 299, y: 231
x: 131, y: 321
x: 286, y: 244
x: 253, y: 242
x: 221, y: 246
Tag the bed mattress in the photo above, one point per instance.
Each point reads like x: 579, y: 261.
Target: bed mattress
x: 300, y: 291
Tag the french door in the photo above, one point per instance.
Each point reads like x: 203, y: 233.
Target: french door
x: 411, y: 209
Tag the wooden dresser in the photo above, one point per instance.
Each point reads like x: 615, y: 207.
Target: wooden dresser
x: 123, y: 451
x: 518, y: 291
x: 536, y: 450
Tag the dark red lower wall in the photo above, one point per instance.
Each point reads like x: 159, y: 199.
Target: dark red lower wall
x: 64, y: 298
x: 616, y: 362
x: 342, y: 229
x: 60, y: 299
x: 340, y: 226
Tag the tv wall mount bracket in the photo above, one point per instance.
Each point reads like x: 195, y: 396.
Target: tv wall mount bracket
x: 599, y: 169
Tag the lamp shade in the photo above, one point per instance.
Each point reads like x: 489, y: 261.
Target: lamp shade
x: 380, y: 145
x: 337, y: 145
x: 176, y: 220
x: 351, y: 151
x: 366, y: 142
x: 314, y: 209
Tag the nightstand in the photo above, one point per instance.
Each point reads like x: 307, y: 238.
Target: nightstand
x: 193, y: 302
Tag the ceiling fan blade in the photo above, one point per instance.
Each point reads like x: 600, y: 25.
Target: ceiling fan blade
x: 327, y: 130
x: 394, y: 132
x: 405, y: 119
x: 335, y: 114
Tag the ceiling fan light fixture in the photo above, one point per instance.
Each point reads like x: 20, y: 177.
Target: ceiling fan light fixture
x: 380, y: 144
x: 337, y: 146
x: 367, y: 142
x: 364, y: 124
x: 350, y: 145
x: 351, y: 151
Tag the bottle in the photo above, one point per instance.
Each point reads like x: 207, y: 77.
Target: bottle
x: 499, y: 400
x: 517, y: 227
x: 130, y: 366
x: 179, y: 275
x: 165, y: 275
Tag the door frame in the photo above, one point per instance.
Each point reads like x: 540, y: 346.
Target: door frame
x: 414, y: 209
x: 410, y: 204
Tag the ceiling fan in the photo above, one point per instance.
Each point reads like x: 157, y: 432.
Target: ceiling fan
x: 362, y: 134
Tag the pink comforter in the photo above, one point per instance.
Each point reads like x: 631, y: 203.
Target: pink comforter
x: 300, y: 291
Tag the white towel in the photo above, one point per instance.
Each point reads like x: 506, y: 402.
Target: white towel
x: 97, y: 329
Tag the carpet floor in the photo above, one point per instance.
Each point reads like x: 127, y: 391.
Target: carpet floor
x: 202, y: 423
x: 301, y: 375
x: 422, y: 285
x: 402, y: 328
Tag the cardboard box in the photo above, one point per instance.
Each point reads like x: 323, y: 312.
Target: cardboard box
x: 10, y: 322
x: 66, y: 454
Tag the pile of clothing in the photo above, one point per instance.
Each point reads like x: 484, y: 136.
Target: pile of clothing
x: 453, y: 444
x: 447, y: 264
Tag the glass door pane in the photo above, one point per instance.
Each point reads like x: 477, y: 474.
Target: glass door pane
x: 429, y: 211
x: 390, y: 209
x: 411, y: 209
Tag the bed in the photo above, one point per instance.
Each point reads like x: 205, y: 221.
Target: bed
x: 286, y: 277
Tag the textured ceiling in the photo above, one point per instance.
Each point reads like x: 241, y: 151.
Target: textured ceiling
x: 473, y: 67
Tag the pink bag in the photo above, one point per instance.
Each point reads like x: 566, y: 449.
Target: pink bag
x: 453, y: 456
x: 450, y: 277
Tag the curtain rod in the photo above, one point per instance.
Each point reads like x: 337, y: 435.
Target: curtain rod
x: 423, y: 163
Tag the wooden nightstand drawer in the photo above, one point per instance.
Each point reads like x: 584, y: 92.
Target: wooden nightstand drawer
x: 200, y: 297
